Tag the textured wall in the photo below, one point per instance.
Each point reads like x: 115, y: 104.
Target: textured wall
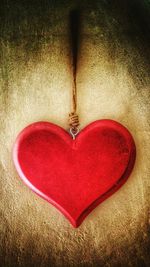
x: 35, y: 84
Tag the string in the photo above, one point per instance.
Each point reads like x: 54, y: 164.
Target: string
x: 74, y: 34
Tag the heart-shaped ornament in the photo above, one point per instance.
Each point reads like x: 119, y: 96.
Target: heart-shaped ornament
x: 74, y: 175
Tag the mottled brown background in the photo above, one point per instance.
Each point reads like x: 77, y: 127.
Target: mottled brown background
x: 113, y: 82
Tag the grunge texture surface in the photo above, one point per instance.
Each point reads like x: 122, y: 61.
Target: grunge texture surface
x: 35, y: 84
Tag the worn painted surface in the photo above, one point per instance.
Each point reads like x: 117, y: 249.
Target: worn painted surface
x: 113, y: 82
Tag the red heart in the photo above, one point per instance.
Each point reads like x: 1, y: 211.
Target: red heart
x: 74, y: 175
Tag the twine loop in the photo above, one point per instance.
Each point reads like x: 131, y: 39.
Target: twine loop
x: 74, y: 124
x: 73, y: 120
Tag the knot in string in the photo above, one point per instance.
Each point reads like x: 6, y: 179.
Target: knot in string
x: 73, y: 120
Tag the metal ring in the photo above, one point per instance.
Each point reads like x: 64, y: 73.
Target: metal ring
x: 74, y: 133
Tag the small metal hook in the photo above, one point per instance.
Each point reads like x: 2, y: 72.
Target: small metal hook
x: 74, y: 132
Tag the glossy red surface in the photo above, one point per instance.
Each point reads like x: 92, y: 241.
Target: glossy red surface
x: 74, y: 175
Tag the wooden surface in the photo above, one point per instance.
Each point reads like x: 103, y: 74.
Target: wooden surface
x: 113, y: 82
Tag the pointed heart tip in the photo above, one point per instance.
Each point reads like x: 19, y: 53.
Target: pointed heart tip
x: 74, y: 222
